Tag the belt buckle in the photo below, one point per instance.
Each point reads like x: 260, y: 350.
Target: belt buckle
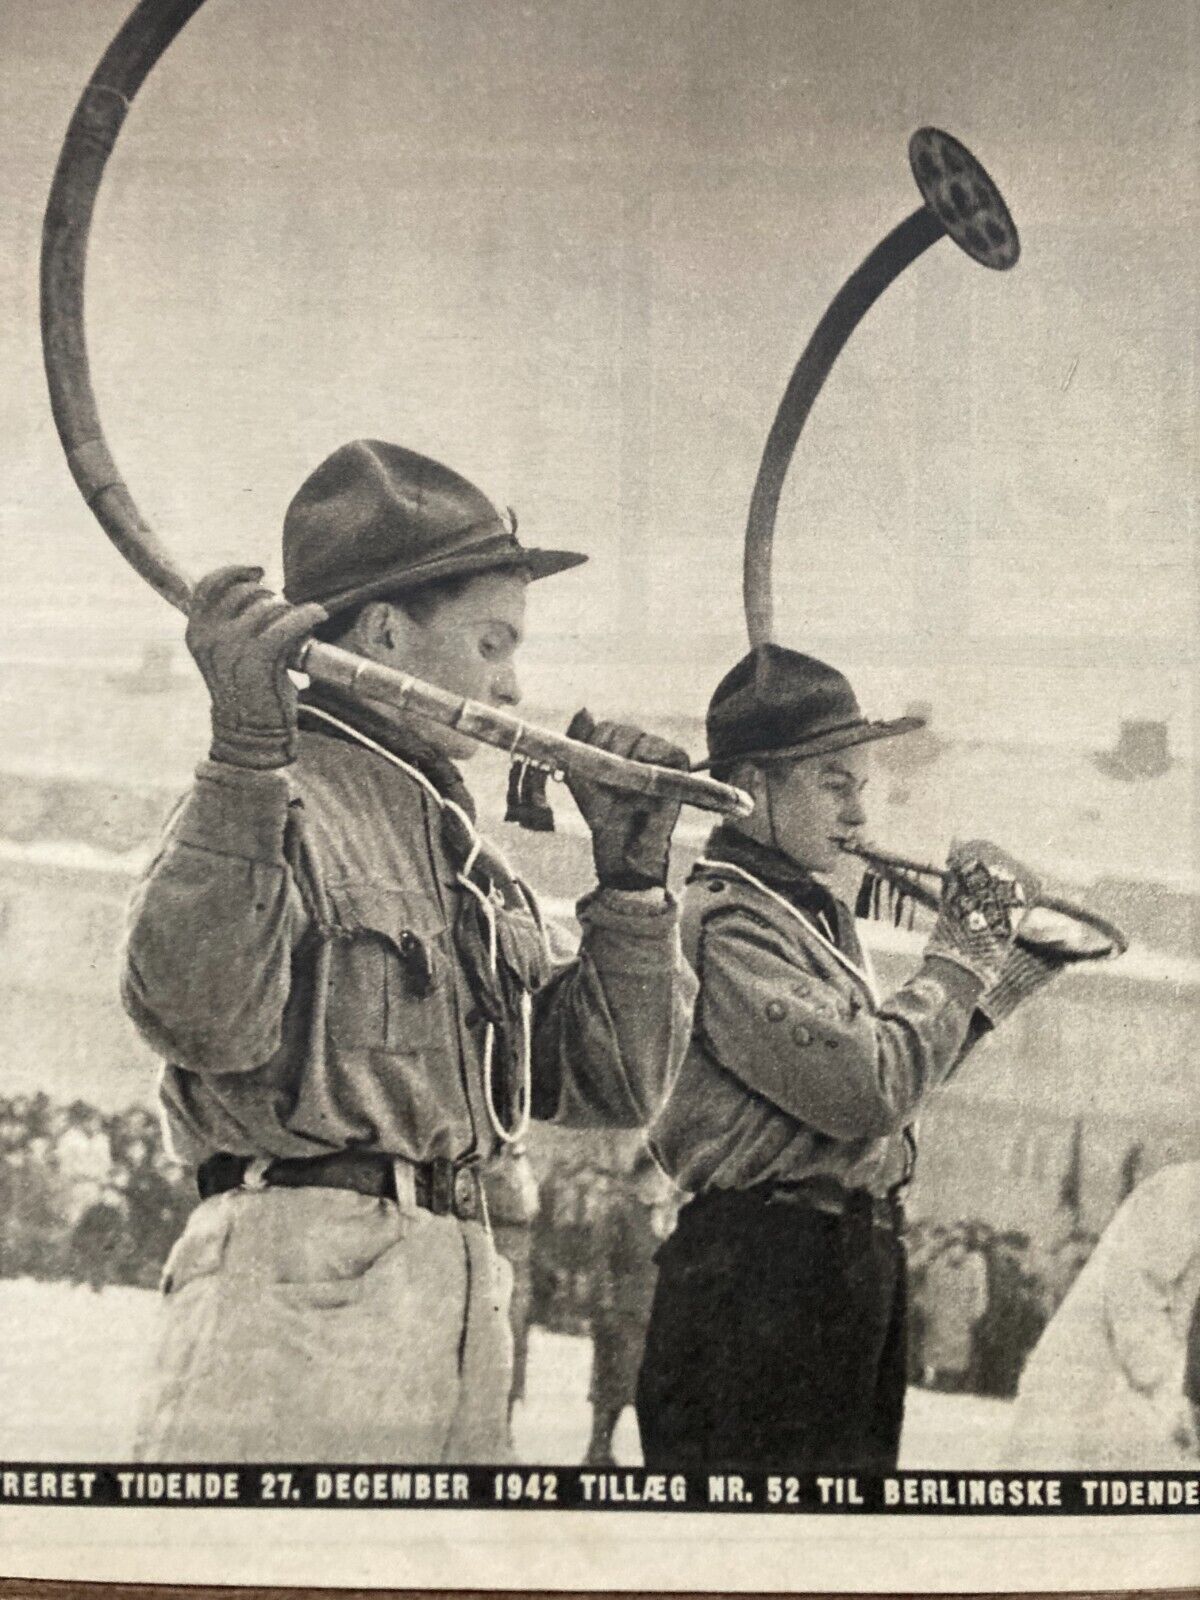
x: 466, y: 1195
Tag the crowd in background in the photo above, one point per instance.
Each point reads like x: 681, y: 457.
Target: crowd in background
x: 94, y: 1199
x: 84, y: 1196
x: 980, y: 1300
x: 981, y: 1296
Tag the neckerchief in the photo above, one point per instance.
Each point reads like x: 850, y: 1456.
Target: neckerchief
x: 402, y: 742
x: 498, y: 993
x: 794, y: 882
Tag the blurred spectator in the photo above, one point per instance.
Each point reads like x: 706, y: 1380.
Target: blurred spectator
x: 84, y: 1158
x: 1191, y: 1366
x: 1013, y: 1321
x: 925, y: 1240
x: 511, y: 1192
x: 1191, y: 1360
x: 565, y: 1243
x: 639, y: 1216
x: 86, y: 1197
x: 955, y: 1298
x: 98, y: 1247
x: 34, y: 1227
x: 156, y: 1200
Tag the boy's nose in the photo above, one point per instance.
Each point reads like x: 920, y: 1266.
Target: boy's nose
x: 506, y: 691
x: 853, y: 813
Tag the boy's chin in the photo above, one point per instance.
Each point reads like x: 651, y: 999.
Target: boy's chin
x: 446, y: 741
x: 455, y: 745
x: 816, y: 862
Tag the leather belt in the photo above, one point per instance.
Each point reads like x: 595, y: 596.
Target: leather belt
x: 834, y: 1200
x: 824, y: 1195
x: 439, y: 1186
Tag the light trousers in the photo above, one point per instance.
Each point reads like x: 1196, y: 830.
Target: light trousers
x: 323, y: 1325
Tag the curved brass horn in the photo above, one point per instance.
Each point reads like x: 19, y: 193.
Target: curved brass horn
x: 1068, y: 931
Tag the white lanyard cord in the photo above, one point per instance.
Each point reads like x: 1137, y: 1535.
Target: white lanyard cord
x: 518, y: 1132
x: 864, y: 977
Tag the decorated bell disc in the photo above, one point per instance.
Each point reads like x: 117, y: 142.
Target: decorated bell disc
x: 964, y: 199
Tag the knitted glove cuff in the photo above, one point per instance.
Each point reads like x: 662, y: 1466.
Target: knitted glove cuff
x: 620, y: 874
x: 985, y: 965
x: 257, y: 749
x: 1023, y: 974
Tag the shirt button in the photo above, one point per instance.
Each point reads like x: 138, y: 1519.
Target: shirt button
x: 801, y: 1035
x: 776, y: 1010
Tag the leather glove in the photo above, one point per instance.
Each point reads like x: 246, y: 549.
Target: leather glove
x: 631, y: 833
x: 242, y: 637
x: 1025, y: 971
x: 984, y: 896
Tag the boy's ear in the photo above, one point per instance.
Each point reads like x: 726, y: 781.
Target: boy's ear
x: 377, y: 625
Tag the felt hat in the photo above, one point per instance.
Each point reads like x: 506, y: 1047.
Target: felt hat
x: 375, y: 519
x: 779, y: 705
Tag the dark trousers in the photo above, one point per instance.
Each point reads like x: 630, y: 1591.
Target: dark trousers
x: 777, y: 1340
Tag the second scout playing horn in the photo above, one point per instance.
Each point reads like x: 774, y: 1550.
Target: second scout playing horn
x: 92, y: 133
x: 962, y: 203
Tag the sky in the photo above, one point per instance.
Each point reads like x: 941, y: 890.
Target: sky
x: 573, y: 249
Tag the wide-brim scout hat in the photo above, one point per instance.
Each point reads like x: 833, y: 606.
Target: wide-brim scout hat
x: 376, y: 519
x: 779, y: 705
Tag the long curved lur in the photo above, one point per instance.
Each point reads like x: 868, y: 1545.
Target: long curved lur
x: 847, y: 309
x: 89, y: 142
x: 961, y: 203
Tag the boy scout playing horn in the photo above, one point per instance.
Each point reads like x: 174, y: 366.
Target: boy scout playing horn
x: 354, y: 998
x: 777, y: 1337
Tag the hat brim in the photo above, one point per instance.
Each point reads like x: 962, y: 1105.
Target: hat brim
x: 820, y: 744
x: 401, y: 579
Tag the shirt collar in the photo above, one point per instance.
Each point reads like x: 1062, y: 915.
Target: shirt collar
x: 402, y: 742
x: 775, y: 869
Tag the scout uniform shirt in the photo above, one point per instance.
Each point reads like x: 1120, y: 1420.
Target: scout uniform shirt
x: 295, y: 956
x: 795, y: 1069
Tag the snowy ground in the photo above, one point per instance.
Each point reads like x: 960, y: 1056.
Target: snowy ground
x: 71, y: 1362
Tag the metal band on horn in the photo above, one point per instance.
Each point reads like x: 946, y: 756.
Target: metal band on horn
x: 91, y: 136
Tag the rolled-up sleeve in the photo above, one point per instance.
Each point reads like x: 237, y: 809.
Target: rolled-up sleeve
x: 611, y: 1028
x: 846, y: 1069
x: 214, y: 924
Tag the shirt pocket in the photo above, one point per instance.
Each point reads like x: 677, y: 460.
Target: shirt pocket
x: 522, y: 947
x: 200, y: 1249
x: 391, y: 980
x: 326, y: 1241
